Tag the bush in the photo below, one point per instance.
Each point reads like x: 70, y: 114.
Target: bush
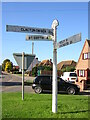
x: 68, y: 69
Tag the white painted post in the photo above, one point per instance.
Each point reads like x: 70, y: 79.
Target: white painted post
x: 23, y: 76
x: 54, y: 85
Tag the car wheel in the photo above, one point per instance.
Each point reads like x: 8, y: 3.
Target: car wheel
x: 71, y: 91
x: 38, y: 89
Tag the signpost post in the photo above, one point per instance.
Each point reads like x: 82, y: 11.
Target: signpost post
x: 23, y: 60
x: 23, y: 63
x: 54, y: 85
x: 51, y: 35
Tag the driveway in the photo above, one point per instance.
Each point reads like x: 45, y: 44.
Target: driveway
x: 13, y: 83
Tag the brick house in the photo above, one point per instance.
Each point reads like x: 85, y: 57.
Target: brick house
x: 83, y: 66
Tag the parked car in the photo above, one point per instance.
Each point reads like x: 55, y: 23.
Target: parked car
x: 69, y: 76
x: 44, y: 83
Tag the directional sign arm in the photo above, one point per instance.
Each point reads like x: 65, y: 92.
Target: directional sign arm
x: 24, y: 29
x: 70, y: 40
x: 39, y: 37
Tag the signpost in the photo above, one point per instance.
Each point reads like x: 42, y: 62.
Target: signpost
x: 70, y: 40
x: 52, y: 37
x: 24, y: 61
x: 24, y: 29
x: 39, y: 37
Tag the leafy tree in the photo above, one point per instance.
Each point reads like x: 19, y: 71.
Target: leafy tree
x: 8, y: 66
x: 4, y: 63
x: 34, y: 71
x: 68, y: 69
x: 48, y: 68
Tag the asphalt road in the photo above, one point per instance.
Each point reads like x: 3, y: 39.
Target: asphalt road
x: 13, y: 83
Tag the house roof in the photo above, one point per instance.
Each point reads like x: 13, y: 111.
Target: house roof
x: 64, y: 63
x: 45, y: 62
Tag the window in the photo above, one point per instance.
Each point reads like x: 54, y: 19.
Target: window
x: 81, y: 73
x: 88, y: 73
x: 86, y: 55
x: 73, y: 74
x: 89, y: 55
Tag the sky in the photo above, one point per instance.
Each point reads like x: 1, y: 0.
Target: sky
x: 72, y: 17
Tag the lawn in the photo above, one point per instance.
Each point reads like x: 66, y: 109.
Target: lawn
x: 39, y: 106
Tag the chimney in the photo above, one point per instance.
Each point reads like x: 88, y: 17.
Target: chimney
x: 36, y: 58
x: 50, y: 60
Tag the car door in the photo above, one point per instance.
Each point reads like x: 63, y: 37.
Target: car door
x: 61, y: 84
x: 46, y: 83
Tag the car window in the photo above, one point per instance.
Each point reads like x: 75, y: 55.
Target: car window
x: 73, y: 74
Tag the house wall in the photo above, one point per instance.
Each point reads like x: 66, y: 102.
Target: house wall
x: 89, y: 59
x: 83, y: 64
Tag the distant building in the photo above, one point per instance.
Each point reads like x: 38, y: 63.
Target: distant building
x: 65, y: 64
x: 83, y: 65
x: 46, y: 62
x: 15, y: 68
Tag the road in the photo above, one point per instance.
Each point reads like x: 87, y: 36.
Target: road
x: 13, y: 83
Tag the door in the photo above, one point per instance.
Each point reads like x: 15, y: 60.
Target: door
x: 61, y: 84
x: 46, y: 83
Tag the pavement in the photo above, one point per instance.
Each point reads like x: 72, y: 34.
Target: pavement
x: 13, y: 83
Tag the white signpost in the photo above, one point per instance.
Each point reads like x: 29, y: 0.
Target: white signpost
x: 53, y: 37
x: 39, y: 37
x: 70, y: 40
x: 24, y: 29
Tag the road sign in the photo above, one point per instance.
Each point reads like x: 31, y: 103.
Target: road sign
x: 70, y: 40
x: 28, y: 58
x: 39, y: 37
x: 23, y: 29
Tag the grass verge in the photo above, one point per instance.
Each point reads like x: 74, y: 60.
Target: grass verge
x: 40, y: 106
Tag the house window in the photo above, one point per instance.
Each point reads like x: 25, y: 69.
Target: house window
x: 88, y: 73
x: 86, y: 55
x: 89, y: 55
x: 81, y: 73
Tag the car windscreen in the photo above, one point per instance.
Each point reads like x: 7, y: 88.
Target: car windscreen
x: 73, y: 74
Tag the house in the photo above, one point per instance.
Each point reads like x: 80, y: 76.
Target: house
x: 46, y: 62
x: 83, y: 66
x: 15, y: 68
x: 65, y: 64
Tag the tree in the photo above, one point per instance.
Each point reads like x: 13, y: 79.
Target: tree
x: 68, y: 69
x: 4, y: 63
x: 8, y: 66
